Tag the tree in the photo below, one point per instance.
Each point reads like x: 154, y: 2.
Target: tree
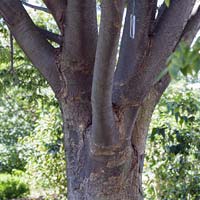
x: 106, y: 112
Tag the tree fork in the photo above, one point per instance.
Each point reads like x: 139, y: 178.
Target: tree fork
x: 98, y: 172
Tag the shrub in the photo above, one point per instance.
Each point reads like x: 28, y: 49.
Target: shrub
x: 172, y: 167
x: 12, y: 187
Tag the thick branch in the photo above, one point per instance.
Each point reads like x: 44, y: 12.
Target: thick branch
x: 160, y: 11
x: 103, y: 120
x: 192, y: 27
x: 81, y: 25
x: 35, y: 7
x: 145, y: 113
x: 51, y: 36
x: 39, y: 51
x: 57, y: 8
x: 143, y: 120
x: 132, y: 51
x: 167, y: 35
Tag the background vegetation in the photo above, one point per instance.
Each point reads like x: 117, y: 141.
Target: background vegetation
x: 172, y: 169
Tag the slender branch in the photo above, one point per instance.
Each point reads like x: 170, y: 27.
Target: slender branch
x: 35, y: 46
x: 51, y: 36
x: 103, y: 126
x: 192, y: 27
x: 35, y: 7
x: 57, y: 9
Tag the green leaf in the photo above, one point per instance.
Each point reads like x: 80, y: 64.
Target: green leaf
x: 1, y: 87
x: 173, y: 71
x: 167, y: 2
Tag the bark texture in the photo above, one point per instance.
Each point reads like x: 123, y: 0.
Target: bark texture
x: 106, y: 99
x: 96, y: 172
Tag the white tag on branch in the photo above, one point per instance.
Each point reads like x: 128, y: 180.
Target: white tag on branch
x: 132, y: 26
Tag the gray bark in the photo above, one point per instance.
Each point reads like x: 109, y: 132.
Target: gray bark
x: 95, y: 172
x: 167, y: 35
x: 104, y: 128
x: 57, y: 10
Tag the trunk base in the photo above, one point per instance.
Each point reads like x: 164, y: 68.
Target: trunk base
x: 105, y: 177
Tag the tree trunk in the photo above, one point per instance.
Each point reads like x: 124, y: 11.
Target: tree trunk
x: 95, y: 172
x: 114, y: 175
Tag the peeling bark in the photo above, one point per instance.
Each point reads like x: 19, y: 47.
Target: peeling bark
x: 97, y: 172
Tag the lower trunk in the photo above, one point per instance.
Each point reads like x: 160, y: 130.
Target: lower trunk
x: 98, y: 173
x: 115, y: 175
x: 106, y: 173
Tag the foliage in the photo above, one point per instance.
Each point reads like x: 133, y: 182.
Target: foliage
x: 45, y: 154
x: 167, y: 2
x: 30, y: 122
x: 172, y: 161
x: 18, y: 109
x: 31, y: 135
x: 185, y: 59
x: 12, y: 187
